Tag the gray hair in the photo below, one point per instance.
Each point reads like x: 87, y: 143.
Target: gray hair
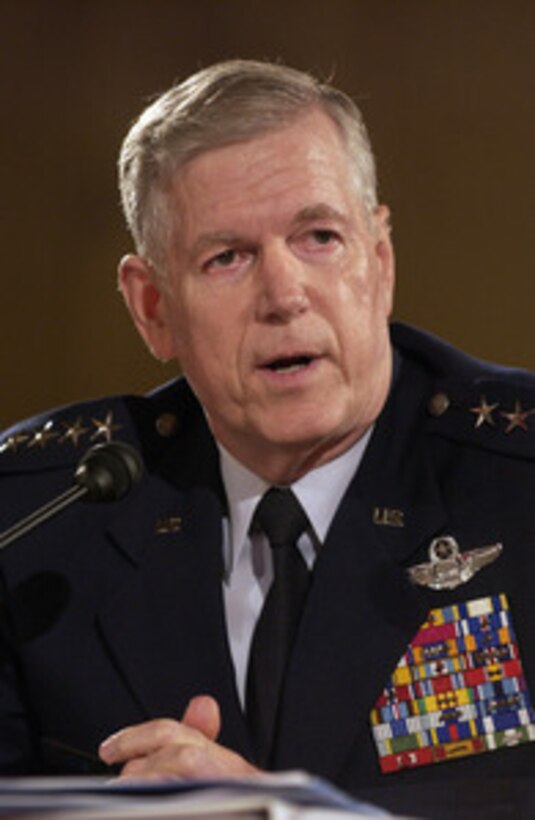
x: 223, y: 104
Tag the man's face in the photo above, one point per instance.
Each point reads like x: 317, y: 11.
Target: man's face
x: 278, y: 294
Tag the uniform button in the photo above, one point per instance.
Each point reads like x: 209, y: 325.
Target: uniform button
x: 167, y: 425
x: 438, y: 404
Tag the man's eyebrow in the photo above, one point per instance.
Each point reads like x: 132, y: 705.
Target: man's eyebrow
x: 319, y: 211
x: 309, y: 213
x: 210, y: 240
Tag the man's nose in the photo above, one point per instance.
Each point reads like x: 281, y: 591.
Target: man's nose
x: 282, y: 292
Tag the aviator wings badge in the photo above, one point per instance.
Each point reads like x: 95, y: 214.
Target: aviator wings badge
x: 448, y: 567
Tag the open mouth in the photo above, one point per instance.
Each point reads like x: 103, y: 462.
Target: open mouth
x: 289, y: 364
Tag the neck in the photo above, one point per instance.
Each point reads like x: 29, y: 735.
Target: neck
x: 286, y: 465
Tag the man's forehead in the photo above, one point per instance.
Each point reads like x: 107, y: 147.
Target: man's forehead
x: 312, y: 132
x: 276, y: 177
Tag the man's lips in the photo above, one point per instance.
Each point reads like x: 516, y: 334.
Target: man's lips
x: 288, y: 363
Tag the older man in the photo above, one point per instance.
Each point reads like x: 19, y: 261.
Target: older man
x: 179, y: 631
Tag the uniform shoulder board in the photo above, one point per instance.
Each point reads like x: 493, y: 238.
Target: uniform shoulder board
x: 495, y: 413
x: 60, y: 437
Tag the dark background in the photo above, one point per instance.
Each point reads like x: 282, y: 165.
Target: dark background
x: 448, y: 91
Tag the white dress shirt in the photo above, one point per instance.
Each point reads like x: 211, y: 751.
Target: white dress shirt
x: 247, y: 558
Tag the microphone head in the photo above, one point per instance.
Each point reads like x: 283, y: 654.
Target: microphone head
x: 109, y: 471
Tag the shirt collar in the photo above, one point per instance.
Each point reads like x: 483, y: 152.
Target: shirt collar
x: 244, y: 489
x: 320, y: 492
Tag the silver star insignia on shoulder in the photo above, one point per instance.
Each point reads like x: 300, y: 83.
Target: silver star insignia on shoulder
x: 484, y: 412
x: 73, y: 432
x: 517, y: 418
x: 105, y: 428
x: 12, y: 443
x: 42, y: 436
x: 448, y: 567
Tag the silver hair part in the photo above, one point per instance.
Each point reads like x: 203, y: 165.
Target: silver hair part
x: 224, y: 104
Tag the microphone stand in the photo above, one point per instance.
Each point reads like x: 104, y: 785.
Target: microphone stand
x: 42, y: 514
x: 106, y: 472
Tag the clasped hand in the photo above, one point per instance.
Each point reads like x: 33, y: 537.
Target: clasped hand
x: 186, y: 748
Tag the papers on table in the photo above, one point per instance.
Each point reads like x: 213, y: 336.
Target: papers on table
x: 286, y: 796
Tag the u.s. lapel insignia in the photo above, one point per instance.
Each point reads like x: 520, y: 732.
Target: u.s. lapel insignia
x: 387, y: 517
x: 448, y: 567
x: 168, y: 525
x: 458, y: 690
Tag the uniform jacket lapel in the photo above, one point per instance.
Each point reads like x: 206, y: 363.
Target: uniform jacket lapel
x: 165, y: 627
x: 362, y: 611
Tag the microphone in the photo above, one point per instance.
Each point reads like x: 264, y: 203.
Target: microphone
x: 105, y: 473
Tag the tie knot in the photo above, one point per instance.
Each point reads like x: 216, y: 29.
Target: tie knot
x: 280, y: 515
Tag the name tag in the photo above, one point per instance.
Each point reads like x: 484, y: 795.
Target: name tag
x: 458, y: 690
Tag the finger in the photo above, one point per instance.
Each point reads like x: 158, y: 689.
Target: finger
x: 202, y: 713
x: 191, y: 762
x: 172, y: 761
x: 146, y: 738
x: 145, y: 768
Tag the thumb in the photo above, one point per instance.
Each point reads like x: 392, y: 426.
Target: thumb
x: 202, y: 713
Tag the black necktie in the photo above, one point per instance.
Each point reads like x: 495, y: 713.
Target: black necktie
x: 280, y: 516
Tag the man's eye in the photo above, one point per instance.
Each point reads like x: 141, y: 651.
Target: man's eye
x: 224, y: 259
x: 323, y: 236
x: 231, y: 261
x: 228, y: 260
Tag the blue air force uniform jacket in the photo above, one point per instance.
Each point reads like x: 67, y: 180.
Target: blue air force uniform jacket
x: 113, y: 614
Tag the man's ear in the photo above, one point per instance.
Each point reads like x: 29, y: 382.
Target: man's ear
x: 145, y: 301
x: 384, y: 252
